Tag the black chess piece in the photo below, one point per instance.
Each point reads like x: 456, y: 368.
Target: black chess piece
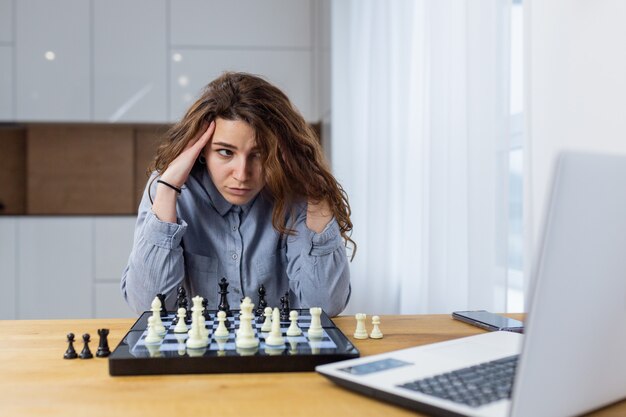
x: 205, y: 312
x: 223, y: 305
x: 181, y: 302
x: 70, y: 353
x: 284, y: 307
x: 161, y: 298
x: 86, y: 353
x: 262, y: 303
x: 103, y: 347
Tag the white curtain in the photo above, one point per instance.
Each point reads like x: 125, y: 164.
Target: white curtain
x: 419, y: 140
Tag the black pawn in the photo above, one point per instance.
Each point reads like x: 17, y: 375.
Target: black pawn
x: 103, y: 348
x: 205, y: 312
x: 181, y: 302
x: 262, y: 303
x: 161, y: 298
x: 70, y: 353
x: 86, y: 353
x: 284, y: 307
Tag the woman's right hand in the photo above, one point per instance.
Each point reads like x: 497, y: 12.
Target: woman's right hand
x: 178, y: 170
x: 176, y: 174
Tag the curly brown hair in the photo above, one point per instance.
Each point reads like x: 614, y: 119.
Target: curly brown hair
x: 294, y: 166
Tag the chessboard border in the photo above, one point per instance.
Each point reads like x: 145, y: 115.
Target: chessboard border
x: 123, y: 363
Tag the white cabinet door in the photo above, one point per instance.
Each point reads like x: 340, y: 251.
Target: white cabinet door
x: 8, y: 267
x: 6, y: 21
x: 130, y: 61
x: 109, y: 302
x: 55, y: 261
x: 289, y: 70
x: 113, y: 242
x: 6, y: 83
x: 247, y: 23
x: 53, y: 60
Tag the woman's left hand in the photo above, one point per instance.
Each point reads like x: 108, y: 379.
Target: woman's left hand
x: 318, y: 214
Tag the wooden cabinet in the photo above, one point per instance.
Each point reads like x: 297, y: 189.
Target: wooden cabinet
x: 80, y: 169
x: 12, y: 170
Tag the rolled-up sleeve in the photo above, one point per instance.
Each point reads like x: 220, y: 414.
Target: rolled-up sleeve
x: 318, y: 267
x: 156, y: 263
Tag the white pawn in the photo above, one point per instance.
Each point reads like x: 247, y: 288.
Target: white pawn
x: 275, y: 337
x: 181, y: 326
x: 222, y: 330
x: 156, y: 316
x: 293, y: 329
x: 153, y: 336
x: 360, y: 332
x: 315, y: 330
x: 267, y: 324
x: 376, y: 333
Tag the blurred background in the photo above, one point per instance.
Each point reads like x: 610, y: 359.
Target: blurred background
x: 440, y: 118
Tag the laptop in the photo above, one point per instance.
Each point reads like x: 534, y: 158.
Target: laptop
x: 572, y: 357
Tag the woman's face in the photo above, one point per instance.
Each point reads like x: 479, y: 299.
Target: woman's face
x: 234, y: 161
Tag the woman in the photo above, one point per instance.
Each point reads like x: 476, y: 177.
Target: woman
x: 239, y: 189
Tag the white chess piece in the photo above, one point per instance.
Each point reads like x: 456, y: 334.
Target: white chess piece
x: 202, y: 325
x: 197, y: 338
x: 154, y: 351
x: 181, y: 326
x: 293, y: 345
x: 243, y: 308
x: 267, y: 324
x: 222, y: 330
x: 153, y: 336
x: 315, y: 330
x: 156, y: 314
x: 196, y: 308
x: 360, y: 332
x: 245, y: 337
x: 275, y: 337
x: 376, y: 333
x: 293, y: 329
x: 182, y: 348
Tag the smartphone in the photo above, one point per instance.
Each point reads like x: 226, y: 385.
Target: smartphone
x: 489, y: 321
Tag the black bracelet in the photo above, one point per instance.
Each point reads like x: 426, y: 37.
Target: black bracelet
x: 178, y: 190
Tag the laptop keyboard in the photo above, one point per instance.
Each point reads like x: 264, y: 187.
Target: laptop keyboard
x: 473, y: 386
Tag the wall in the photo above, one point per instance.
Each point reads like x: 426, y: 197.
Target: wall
x: 575, y: 89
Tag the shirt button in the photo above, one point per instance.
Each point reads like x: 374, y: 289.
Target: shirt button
x: 234, y: 256
x: 234, y: 228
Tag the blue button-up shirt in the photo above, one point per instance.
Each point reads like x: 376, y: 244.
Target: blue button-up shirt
x: 213, y: 239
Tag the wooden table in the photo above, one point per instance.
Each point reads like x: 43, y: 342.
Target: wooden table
x: 36, y: 380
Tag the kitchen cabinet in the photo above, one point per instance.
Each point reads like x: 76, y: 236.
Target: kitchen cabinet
x: 53, y: 58
x: 8, y: 267
x: 6, y: 83
x: 130, y: 62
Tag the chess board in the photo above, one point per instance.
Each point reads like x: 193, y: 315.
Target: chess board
x: 133, y: 356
